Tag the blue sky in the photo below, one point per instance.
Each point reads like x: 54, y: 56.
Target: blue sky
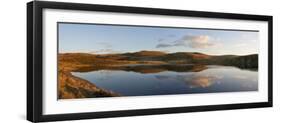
x: 102, y: 39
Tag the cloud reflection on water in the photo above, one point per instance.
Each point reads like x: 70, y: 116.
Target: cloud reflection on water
x: 193, y: 81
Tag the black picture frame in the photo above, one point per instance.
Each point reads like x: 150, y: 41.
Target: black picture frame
x: 35, y: 69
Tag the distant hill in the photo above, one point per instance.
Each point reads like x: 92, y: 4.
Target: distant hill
x: 157, y: 57
x: 145, y: 53
x: 248, y: 61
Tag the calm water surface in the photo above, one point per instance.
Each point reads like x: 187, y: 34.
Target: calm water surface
x: 212, y: 79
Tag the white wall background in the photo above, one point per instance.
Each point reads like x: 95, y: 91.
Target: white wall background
x: 13, y: 61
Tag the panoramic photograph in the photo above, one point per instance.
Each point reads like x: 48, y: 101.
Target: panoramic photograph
x: 102, y: 60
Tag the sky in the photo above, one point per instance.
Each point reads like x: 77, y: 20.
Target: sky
x: 102, y: 39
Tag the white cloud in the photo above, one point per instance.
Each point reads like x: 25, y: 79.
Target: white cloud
x: 201, y: 41
x: 193, y: 41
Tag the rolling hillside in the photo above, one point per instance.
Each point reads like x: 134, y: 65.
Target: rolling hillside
x: 156, y: 57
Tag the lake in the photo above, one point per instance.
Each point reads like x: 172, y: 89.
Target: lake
x: 211, y: 79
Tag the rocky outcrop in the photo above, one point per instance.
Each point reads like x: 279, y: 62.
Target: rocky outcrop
x: 71, y: 87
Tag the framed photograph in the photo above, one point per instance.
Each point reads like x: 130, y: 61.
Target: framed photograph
x: 95, y: 61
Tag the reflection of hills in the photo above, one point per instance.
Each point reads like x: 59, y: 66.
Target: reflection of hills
x: 164, y: 67
x: 145, y: 69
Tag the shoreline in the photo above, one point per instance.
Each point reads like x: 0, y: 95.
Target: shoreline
x: 72, y: 87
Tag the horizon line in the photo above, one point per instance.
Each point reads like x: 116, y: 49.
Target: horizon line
x: 155, y: 51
